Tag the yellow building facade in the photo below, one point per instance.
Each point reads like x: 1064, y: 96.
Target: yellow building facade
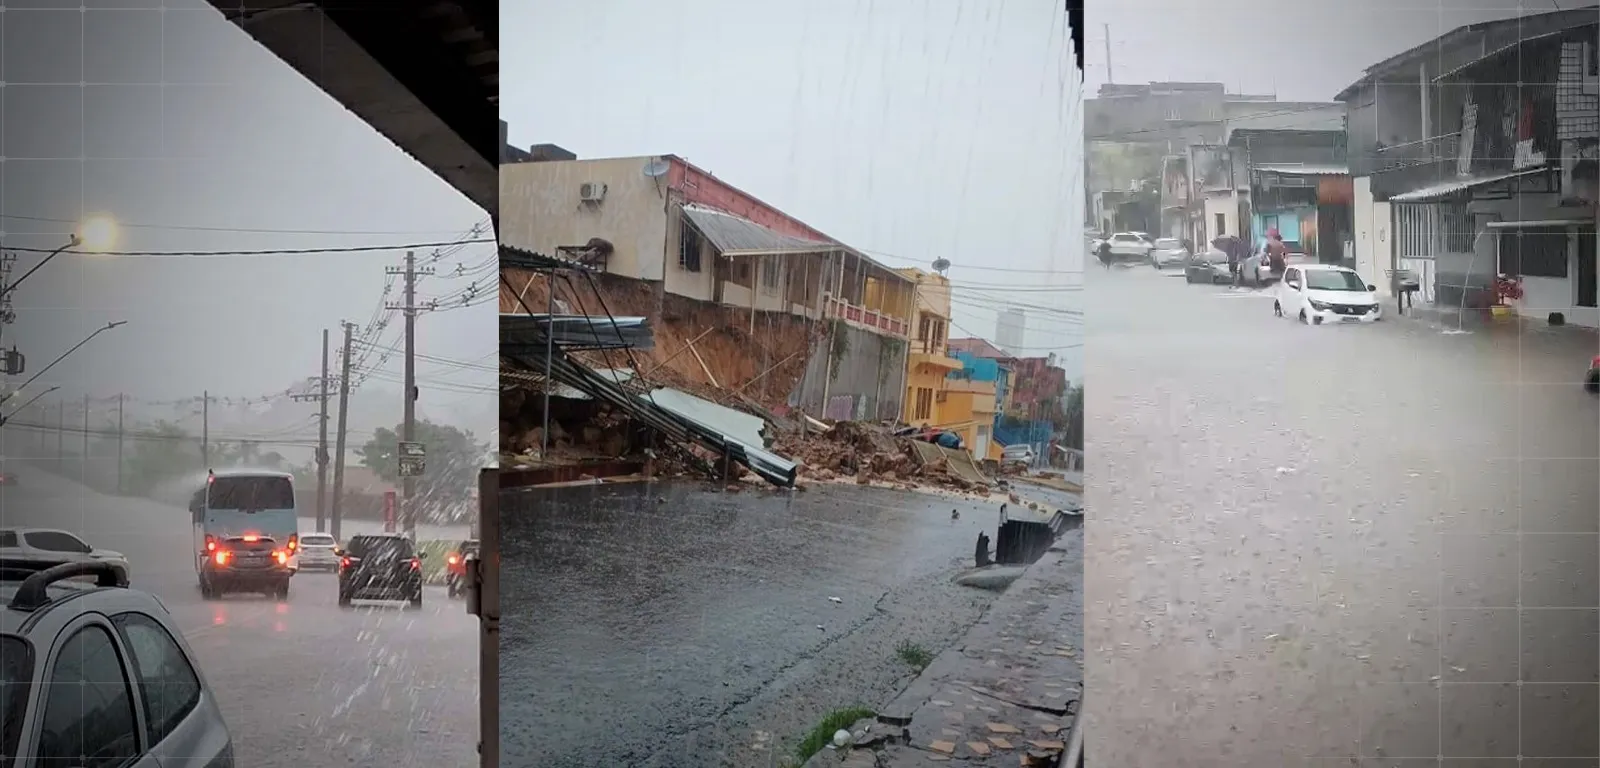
x: 934, y: 399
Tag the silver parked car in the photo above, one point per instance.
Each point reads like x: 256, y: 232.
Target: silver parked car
x: 1210, y: 267
x: 1168, y: 252
x: 99, y: 674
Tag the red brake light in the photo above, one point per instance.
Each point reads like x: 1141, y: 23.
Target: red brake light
x: 222, y: 557
x: 251, y: 538
x: 211, y: 542
x: 294, y: 541
x: 416, y: 564
x: 344, y: 562
x: 282, y: 557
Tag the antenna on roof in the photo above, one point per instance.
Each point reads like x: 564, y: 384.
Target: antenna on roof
x: 656, y: 168
x: 940, y: 265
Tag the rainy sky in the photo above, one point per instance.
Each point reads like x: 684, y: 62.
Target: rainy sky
x: 912, y: 130
x: 1299, y: 51
x: 237, y: 153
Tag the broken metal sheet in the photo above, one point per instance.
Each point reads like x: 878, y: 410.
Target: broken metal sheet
x: 521, y: 330
x: 733, y: 235
x: 738, y: 425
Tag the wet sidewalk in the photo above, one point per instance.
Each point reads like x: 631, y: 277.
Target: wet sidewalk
x: 1524, y: 348
x: 1007, y: 694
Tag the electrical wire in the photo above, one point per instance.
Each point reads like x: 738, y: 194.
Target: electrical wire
x: 265, y: 251
x: 239, y: 230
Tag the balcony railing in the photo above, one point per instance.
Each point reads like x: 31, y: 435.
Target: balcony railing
x: 1415, y: 164
x: 868, y: 319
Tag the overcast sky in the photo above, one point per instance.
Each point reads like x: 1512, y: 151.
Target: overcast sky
x: 235, y: 152
x: 911, y: 129
x: 1301, y: 51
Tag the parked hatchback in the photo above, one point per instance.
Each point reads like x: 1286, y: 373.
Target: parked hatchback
x: 1318, y: 294
x: 98, y: 674
x: 317, y: 552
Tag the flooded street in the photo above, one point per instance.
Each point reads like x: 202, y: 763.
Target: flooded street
x: 675, y: 626
x: 1374, y: 541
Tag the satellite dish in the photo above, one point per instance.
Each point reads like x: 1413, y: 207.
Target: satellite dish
x: 656, y: 168
x: 940, y: 265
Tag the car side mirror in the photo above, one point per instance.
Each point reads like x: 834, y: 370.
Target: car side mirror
x: 1371, y: 288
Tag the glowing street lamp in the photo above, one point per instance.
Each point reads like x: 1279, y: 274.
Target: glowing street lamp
x: 96, y: 233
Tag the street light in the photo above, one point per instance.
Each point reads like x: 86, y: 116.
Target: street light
x: 96, y: 233
x: 24, y: 406
x: 53, y: 363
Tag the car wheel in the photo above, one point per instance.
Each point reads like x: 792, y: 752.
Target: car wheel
x: 344, y: 599
x: 1303, y: 319
x: 1591, y: 382
x: 282, y: 592
x: 1277, y: 308
x: 416, y: 599
x: 451, y: 588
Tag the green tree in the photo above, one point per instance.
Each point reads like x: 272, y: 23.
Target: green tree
x: 453, y: 460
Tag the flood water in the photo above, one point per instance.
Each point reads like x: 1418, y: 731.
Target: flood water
x: 672, y: 625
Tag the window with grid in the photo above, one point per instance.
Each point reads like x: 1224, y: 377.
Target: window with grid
x: 690, y: 246
x: 1534, y: 252
x: 923, y: 410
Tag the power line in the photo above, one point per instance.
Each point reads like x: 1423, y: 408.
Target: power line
x: 240, y: 230
x: 267, y: 251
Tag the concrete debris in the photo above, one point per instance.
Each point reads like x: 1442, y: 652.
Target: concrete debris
x: 867, y: 454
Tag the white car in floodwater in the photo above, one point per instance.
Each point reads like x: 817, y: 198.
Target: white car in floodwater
x: 1317, y: 294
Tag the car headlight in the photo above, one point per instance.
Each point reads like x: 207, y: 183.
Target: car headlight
x: 1320, y: 306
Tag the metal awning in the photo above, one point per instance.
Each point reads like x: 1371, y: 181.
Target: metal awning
x: 1304, y: 169
x: 1445, y: 189
x: 735, y: 236
x: 1570, y: 222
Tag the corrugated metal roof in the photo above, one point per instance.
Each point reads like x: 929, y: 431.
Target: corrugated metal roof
x: 1305, y: 169
x: 1445, y: 189
x: 735, y: 236
x: 518, y: 258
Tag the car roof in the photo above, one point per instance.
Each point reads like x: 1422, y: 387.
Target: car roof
x: 399, y: 536
x: 251, y: 473
x: 74, y: 598
x: 24, y: 529
x: 1323, y: 267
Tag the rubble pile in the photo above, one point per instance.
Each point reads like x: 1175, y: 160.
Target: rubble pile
x: 866, y: 453
x: 583, y: 430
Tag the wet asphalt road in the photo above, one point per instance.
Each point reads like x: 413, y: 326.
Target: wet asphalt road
x: 302, y: 683
x: 666, y: 625
x: 1314, y: 542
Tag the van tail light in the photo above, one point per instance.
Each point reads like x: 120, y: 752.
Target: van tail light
x: 281, y: 556
x: 211, y: 543
x: 416, y: 563
x: 221, y: 557
x: 294, y: 541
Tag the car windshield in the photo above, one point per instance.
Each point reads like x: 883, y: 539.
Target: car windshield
x: 251, y: 493
x: 16, y: 675
x: 1217, y: 257
x: 1333, y: 280
x: 1167, y: 243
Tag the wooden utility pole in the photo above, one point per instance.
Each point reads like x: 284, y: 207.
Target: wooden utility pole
x: 83, y: 463
x: 321, y: 396
x: 205, y: 430
x: 119, y: 443
x: 339, y: 440
x: 408, y: 427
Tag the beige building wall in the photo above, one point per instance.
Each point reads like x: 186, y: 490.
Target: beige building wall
x: 540, y: 210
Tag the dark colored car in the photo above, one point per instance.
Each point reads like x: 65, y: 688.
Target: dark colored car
x: 246, y: 564
x: 455, y: 566
x: 380, y: 567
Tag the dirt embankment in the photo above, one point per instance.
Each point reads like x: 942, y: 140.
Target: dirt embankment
x: 763, y: 362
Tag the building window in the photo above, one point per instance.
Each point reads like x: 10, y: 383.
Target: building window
x: 690, y: 246
x: 771, y: 271
x: 922, y: 410
x: 1269, y: 222
x: 1222, y: 225
x: 1534, y: 252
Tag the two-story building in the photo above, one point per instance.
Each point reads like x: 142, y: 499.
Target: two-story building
x: 929, y: 363
x: 684, y: 232
x: 1473, y: 155
x: 1298, y: 184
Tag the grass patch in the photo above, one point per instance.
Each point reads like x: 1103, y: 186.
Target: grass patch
x: 822, y: 735
x: 914, y: 654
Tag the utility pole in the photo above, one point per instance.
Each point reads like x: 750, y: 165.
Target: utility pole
x: 344, y: 415
x: 83, y: 465
x: 1107, y: 30
x: 408, y: 428
x: 321, y: 396
x: 205, y: 429
x: 119, y: 443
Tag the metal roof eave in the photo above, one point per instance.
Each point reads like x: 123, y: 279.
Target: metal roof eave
x: 1441, y: 191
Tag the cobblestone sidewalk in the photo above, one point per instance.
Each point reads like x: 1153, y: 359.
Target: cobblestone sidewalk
x: 1006, y: 695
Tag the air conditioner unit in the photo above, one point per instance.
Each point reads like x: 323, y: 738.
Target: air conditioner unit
x: 592, y: 192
